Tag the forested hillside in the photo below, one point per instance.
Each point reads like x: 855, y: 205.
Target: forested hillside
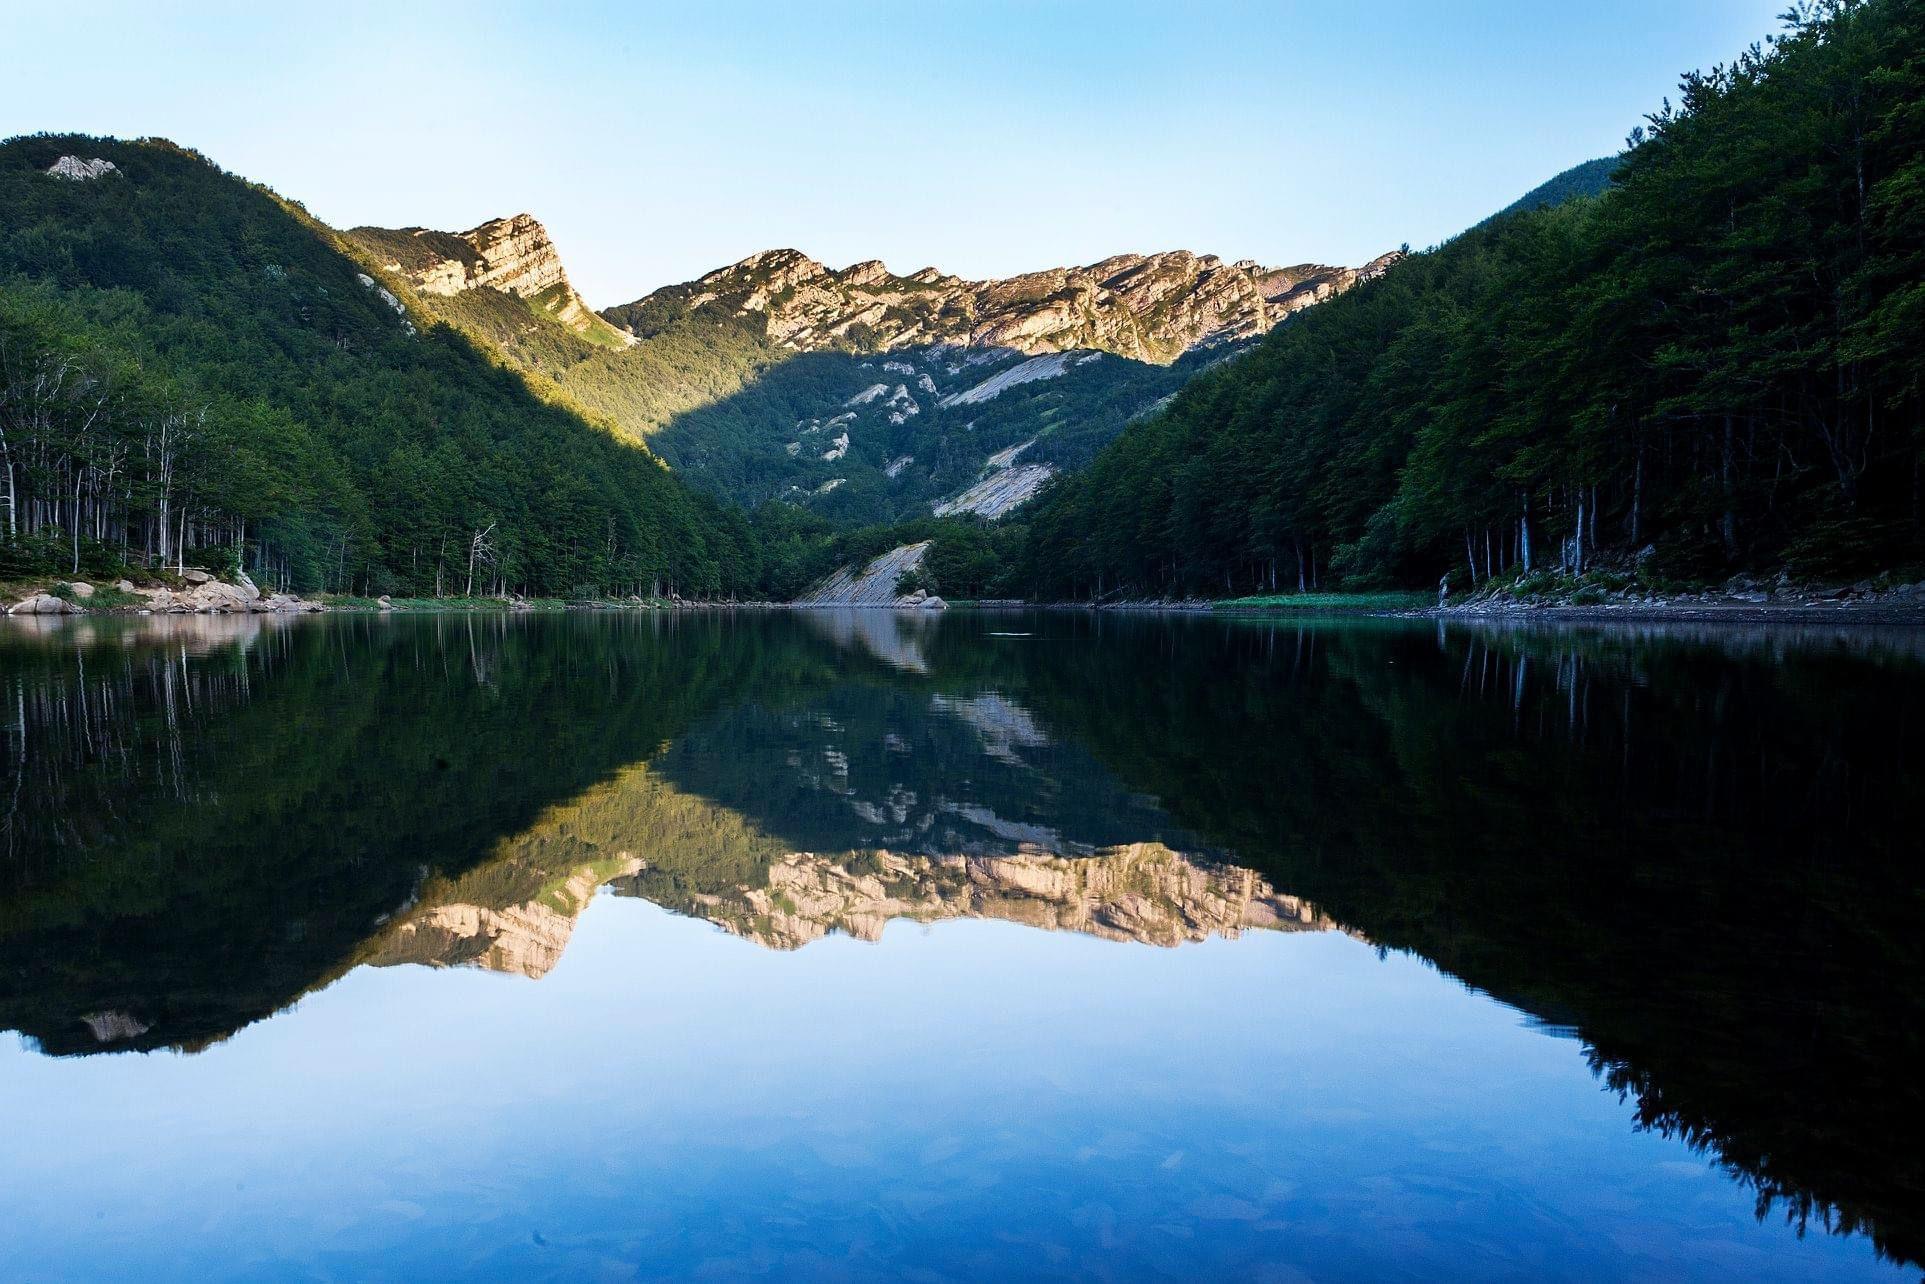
x: 191, y: 369
x: 857, y: 394
x: 1592, y: 178
x: 1713, y: 366
x: 865, y: 438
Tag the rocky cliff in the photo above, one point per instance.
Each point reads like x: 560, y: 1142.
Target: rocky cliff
x: 1150, y: 307
x: 526, y: 939
x: 1144, y: 893
x: 514, y: 256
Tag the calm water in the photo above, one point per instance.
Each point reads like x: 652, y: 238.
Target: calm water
x: 989, y: 946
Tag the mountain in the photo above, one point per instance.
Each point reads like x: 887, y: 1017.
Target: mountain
x: 863, y: 438
x: 1708, y: 369
x: 511, y: 255
x: 860, y: 395
x: 1143, y: 893
x: 1592, y: 178
x: 192, y: 369
x: 1152, y: 307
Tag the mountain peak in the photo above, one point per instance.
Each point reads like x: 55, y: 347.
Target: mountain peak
x: 513, y: 255
x: 1151, y: 307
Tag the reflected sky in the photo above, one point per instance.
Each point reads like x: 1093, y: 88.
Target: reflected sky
x: 966, y: 1100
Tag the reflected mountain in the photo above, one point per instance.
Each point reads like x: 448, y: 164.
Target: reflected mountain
x: 526, y: 939
x: 642, y: 835
x: 1144, y: 893
x: 1694, y: 850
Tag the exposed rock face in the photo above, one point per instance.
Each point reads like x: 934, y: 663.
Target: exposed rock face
x: 873, y: 585
x: 114, y: 1026
x: 81, y: 171
x: 512, y: 255
x: 1150, y: 307
x: 526, y: 940
x: 1045, y: 367
x: 386, y: 296
x: 1144, y: 893
x: 999, y: 491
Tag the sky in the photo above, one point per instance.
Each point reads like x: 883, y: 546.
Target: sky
x: 659, y: 141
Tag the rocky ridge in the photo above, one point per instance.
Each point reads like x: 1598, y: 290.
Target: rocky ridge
x: 524, y: 940
x: 513, y: 255
x: 1143, y: 893
x: 1149, y: 307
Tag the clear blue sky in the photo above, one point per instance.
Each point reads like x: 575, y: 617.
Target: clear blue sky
x: 987, y: 138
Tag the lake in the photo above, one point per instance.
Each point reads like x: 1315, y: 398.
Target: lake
x: 884, y: 945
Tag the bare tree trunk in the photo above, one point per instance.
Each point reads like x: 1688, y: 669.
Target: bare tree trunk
x: 1524, y: 531
x: 1579, y: 561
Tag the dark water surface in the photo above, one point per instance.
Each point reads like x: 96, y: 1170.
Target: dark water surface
x: 984, y: 946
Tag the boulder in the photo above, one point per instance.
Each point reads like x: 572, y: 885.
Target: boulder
x: 81, y: 589
x: 196, y: 576
x: 123, y: 586
x: 43, y: 604
x: 246, y: 585
x: 215, y: 596
x: 934, y: 604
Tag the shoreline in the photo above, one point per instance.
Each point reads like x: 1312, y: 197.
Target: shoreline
x: 1899, y: 606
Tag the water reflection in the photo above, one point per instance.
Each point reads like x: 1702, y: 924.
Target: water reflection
x: 1694, y: 849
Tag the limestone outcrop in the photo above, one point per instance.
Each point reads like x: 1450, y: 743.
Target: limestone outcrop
x: 525, y: 939
x: 999, y: 491
x: 1151, y: 307
x: 514, y: 256
x: 76, y: 170
x: 872, y: 585
x: 1145, y: 893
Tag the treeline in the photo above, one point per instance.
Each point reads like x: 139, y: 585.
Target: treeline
x: 1713, y: 366
x: 191, y: 369
x: 101, y: 458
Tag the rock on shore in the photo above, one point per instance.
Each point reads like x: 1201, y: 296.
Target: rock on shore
x: 203, y: 594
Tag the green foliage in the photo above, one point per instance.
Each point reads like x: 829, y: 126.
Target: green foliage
x: 311, y: 426
x: 1717, y: 357
x: 1592, y: 178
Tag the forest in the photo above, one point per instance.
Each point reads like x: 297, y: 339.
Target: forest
x: 192, y: 370
x: 1710, y: 368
